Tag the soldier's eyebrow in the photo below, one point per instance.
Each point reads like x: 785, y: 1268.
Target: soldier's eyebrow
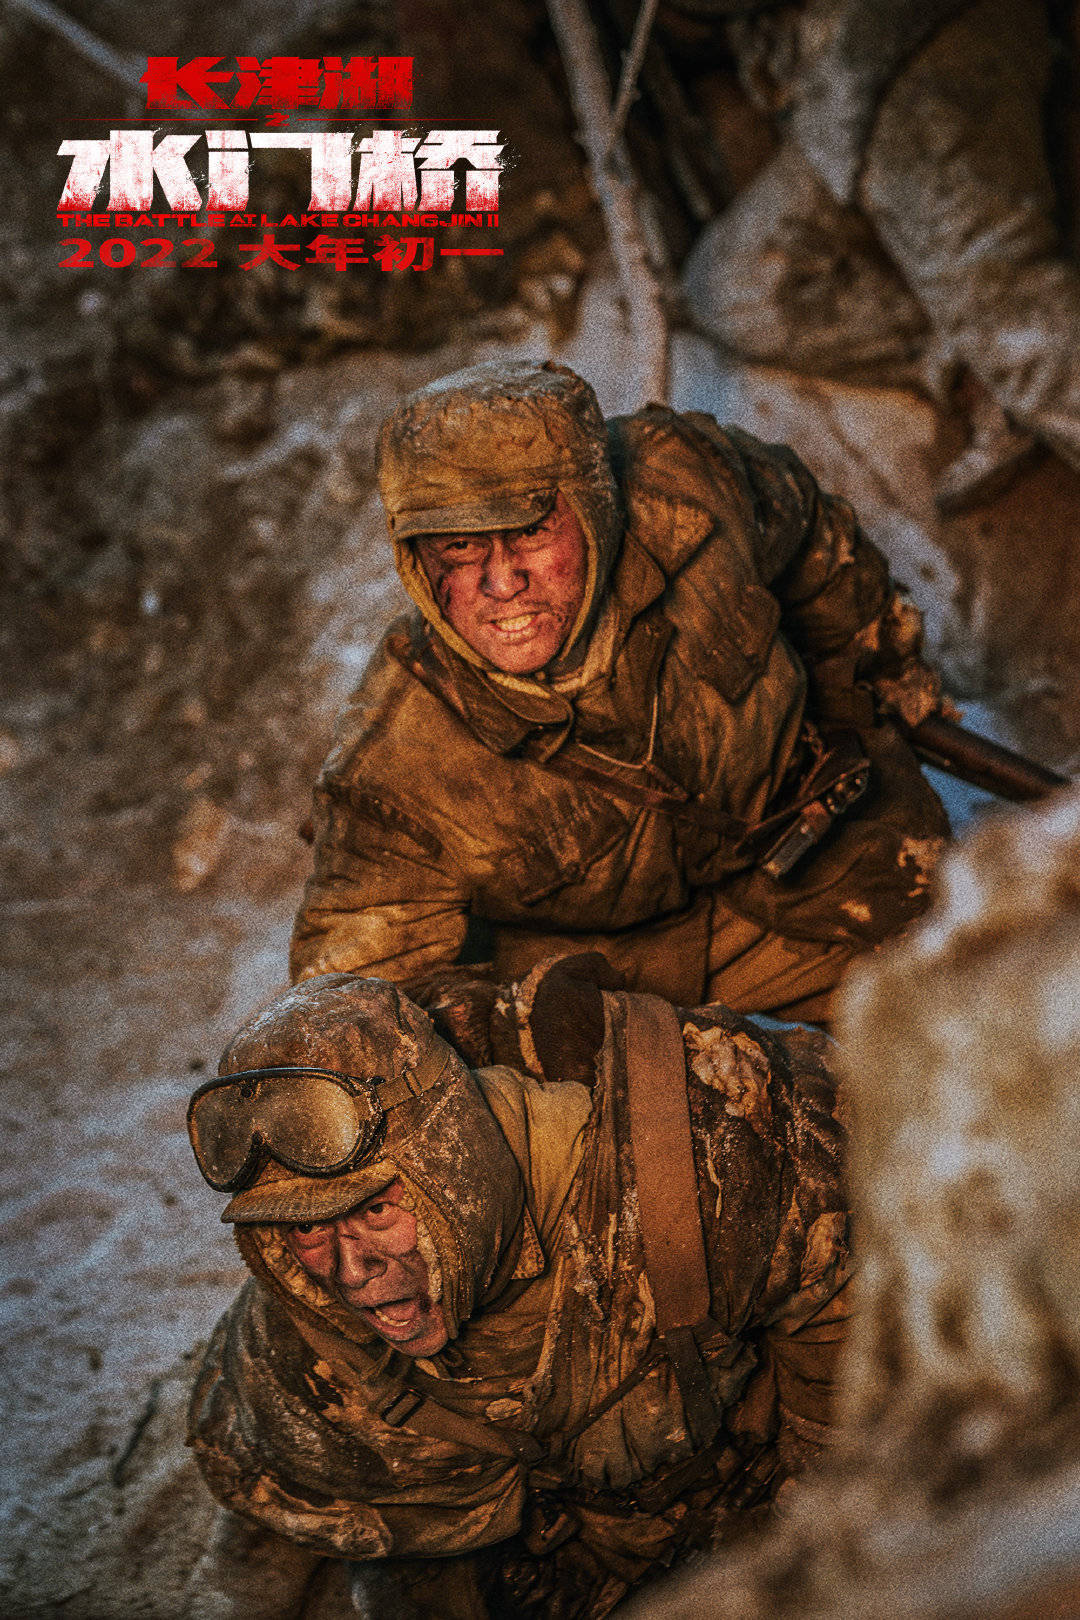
x: 534, y: 527
x: 380, y: 1197
x: 441, y: 541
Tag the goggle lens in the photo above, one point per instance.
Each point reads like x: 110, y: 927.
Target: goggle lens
x: 310, y: 1120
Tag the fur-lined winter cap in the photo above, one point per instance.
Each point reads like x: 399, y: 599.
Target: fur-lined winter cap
x: 489, y: 448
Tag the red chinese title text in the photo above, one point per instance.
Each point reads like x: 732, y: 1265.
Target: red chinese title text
x: 393, y: 171
x: 279, y: 83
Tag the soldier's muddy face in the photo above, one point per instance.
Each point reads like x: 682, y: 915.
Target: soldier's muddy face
x: 512, y: 594
x: 368, y: 1258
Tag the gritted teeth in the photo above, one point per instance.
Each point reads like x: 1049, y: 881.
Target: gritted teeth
x: 520, y: 621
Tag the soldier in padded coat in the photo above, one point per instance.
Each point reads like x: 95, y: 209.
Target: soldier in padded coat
x: 646, y: 653
x: 511, y: 1345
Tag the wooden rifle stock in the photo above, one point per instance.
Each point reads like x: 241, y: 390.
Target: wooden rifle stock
x: 983, y: 763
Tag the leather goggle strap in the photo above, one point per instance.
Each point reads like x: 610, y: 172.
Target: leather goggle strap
x: 414, y: 1082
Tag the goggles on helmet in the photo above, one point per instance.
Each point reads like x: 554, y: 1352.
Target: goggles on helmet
x: 317, y: 1122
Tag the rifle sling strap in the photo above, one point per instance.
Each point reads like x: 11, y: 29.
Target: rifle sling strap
x: 667, y: 1188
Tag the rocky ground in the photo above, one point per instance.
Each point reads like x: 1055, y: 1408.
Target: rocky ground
x: 193, y: 574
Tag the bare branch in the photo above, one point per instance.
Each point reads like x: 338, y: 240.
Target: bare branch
x: 635, y: 56
x: 639, y: 263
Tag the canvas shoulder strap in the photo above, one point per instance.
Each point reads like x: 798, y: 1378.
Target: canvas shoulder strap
x: 667, y: 1187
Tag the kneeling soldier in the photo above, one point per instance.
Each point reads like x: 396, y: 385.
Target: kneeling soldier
x: 512, y: 1344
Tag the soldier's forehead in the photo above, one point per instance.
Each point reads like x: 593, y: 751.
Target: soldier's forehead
x: 453, y: 535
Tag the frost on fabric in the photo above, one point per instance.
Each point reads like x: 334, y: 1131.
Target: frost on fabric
x: 921, y: 856
x: 736, y: 1066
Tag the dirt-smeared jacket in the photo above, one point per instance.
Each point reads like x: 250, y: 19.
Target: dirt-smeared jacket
x: 296, y: 1418
x: 736, y: 582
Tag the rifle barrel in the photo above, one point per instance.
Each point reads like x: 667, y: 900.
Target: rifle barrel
x: 983, y: 763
